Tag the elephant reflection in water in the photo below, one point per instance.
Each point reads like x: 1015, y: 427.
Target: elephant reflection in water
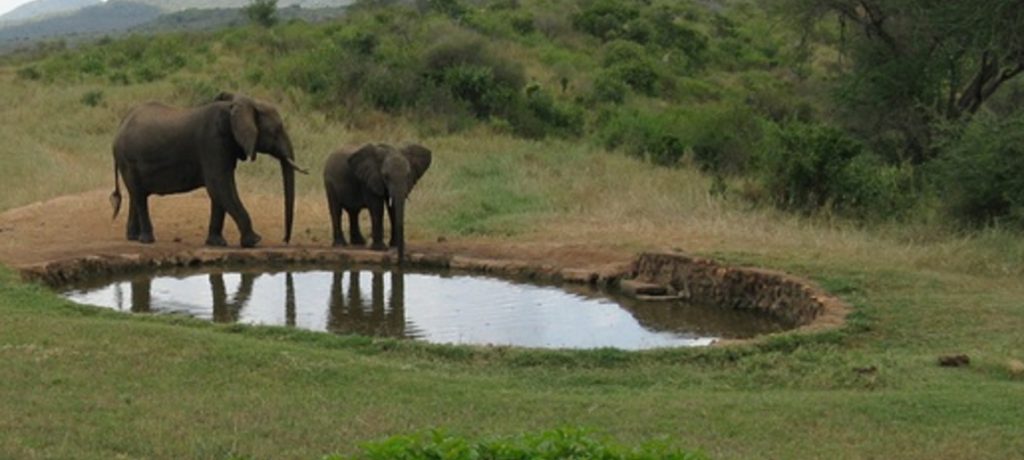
x: 227, y: 311
x: 141, y: 300
x: 350, y: 315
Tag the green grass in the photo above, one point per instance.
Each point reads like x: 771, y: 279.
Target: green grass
x: 87, y: 383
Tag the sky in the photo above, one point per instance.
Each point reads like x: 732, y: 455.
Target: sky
x: 8, y: 5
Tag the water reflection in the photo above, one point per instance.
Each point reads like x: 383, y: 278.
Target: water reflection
x: 430, y: 307
x: 350, y: 314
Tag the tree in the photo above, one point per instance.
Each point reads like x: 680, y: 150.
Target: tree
x: 916, y: 63
x: 262, y: 12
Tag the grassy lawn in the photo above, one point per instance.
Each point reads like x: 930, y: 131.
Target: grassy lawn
x: 83, y: 383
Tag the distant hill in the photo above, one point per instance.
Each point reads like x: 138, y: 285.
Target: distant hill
x: 103, y: 18
x: 118, y: 16
x: 42, y: 8
x: 207, y: 19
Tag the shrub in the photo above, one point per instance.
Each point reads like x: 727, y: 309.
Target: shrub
x: 608, y: 87
x: 810, y: 166
x: 262, y: 12
x: 723, y: 138
x: 605, y: 19
x: 484, y: 80
x: 29, y: 73
x: 539, y: 116
x: 981, y: 173
x: 651, y: 136
x: 92, y: 98
x: 551, y: 445
x: 628, y: 62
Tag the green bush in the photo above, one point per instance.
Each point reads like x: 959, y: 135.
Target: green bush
x: 808, y: 167
x: 473, y: 74
x: 605, y: 19
x: 981, y: 174
x: 629, y: 63
x: 29, y: 73
x: 539, y: 116
x: 652, y: 136
x: 262, y: 12
x: 92, y: 98
x: 608, y: 87
x: 551, y: 445
x: 723, y: 138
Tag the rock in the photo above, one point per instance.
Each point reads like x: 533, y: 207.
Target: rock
x: 866, y: 370
x: 634, y: 288
x: 1016, y: 368
x: 954, y: 360
x: 577, y: 276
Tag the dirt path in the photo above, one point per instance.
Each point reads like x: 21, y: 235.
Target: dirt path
x: 76, y: 226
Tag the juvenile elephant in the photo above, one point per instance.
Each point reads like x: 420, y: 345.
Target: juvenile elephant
x: 373, y: 176
x: 161, y: 150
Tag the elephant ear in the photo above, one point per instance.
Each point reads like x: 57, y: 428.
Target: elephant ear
x: 419, y: 158
x: 366, y: 163
x: 243, y: 126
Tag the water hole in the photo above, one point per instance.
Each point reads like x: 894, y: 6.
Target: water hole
x: 439, y: 307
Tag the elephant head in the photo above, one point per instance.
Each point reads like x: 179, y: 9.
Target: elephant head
x: 390, y: 173
x: 257, y: 127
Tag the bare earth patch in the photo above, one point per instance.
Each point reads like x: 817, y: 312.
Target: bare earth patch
x: 73, y: 236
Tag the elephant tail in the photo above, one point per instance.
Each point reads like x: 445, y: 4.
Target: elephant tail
x: 115, y: 197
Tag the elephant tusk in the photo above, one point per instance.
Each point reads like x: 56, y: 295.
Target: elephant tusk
x: 295, y: 166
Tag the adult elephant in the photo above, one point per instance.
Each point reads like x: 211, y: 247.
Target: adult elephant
x: 161, y: 150
x: 374, y: 177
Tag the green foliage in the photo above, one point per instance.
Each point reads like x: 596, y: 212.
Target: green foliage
x: 262, y: 12
x: 724, y: 138
x: 135, y: 59
x: 808, y: 167
x: 627, y: 62
x: 658, y: 138
x: 550, y: 445
x: 605, y: 19
x: 92, y: 98
x: 30, y: 72
x: 981, y: 174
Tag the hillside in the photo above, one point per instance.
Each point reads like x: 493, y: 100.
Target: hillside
x: 38, y: 9
x: 118, y: 16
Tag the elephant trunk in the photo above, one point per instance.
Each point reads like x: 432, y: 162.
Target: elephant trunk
x: 288, y: 176
x: 398, y: 227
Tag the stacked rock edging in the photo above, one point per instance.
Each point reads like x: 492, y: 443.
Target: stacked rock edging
x: 704, y: 281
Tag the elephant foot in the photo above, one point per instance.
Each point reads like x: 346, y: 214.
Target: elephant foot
x: 358, y: 241
x: 378, y: 246
x: 216, y: 241
x: 146, y: 238
x: 339, y: 243
x: 132, y: 237
x: 250, y: 241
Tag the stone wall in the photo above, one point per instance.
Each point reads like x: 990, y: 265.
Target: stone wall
x: 707, y: 282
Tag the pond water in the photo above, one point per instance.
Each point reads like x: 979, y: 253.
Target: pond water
x: 433, y: 307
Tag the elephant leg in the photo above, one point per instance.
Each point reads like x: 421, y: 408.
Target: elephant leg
x: 141, y: 205
x: 391, y: 221
x: 132, y: 229
x: 215, y: 236
x: 224, y: 194
x: 377, y: 224
x: 334, y: 208
x: 353, y: 228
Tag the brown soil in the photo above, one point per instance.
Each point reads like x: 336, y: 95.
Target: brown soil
x: 76, y: 226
